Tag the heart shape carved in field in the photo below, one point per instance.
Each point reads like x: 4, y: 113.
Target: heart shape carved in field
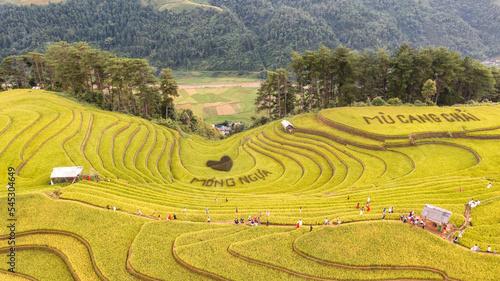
x: 224, y: 164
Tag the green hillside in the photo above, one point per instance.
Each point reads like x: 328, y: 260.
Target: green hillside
x: 251, y: 35
x: 333, y: 161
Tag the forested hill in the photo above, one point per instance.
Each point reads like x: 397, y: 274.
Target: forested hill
x: 251, y: 34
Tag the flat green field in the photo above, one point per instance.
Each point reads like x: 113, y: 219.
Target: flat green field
x: 323, y: 171
x: 219, y: 104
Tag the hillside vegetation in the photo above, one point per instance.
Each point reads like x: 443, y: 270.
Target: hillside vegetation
x: 333, y: 161
x: 249, y: 35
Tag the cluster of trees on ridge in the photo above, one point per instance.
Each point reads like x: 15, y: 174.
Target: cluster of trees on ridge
x: 329, y: 78
x: 251, y: 35
x: 99, y: 77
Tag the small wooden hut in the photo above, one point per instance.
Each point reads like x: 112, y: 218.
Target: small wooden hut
x: 287, y: 126
x: 62, y: 174
x: 438, y: 216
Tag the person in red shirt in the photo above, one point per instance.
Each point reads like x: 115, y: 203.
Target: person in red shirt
x: 357, y: 206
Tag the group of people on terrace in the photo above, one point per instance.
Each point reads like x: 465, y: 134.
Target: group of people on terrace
x: 476, y: 248
x: 412, y: 218
x: 473, y: 203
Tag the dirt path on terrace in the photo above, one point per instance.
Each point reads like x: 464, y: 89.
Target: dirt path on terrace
x: 244, y: 85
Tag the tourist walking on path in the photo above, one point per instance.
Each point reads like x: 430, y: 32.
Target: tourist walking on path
x: 339, y: 221
x: 326, y: 221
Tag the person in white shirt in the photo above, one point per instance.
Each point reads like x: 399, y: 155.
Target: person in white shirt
x: 489, y: 185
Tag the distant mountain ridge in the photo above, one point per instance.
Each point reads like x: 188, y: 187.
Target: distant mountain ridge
x: 250, y: 35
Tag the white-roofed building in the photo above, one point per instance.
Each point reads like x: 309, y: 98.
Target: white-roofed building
x: 287, y: 126
x: 66, y: 173
x: 438, y: 216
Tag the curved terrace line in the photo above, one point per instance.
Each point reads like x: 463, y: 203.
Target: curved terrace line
x: 65, y: 233
x: 369, y: 267
x: 72, y: 136
x: 52, y: 250
x: 20, y: 133
x: 7, y: 127
x: 19, y: 274
x: 20, y: 167
x: 296, y: 152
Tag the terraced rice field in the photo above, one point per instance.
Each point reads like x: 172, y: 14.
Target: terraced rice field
x: 321, y: 171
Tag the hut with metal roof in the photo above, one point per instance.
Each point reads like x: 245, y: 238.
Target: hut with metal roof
x: 437, y: 215
x: 61, y: 174
x: 287, y: 126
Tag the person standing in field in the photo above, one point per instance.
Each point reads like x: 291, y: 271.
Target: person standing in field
x: 368, y: 201
x: 489, y: 185
x: 206, y: 211
x: 357, y: 206
x: 339, y: 221
x: 326, y: 221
